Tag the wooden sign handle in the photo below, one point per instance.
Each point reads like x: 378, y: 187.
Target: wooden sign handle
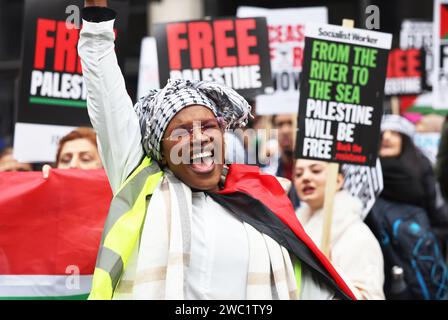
x: 330, y: 188
x: 348, y: 23
x: 395, y: 105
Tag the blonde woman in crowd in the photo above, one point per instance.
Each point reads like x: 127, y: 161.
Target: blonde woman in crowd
x: 354, y: 250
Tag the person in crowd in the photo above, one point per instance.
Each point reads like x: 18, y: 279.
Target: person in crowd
x: 77, y: 150
x: 253, y: 140
x: 8, y: 163
x: 405, y: 214
x: 354, y: 250
x: 208, y: 232
x: 283, y: 166
x: 234, y: 149
x: 407, y: 173
x: 442, y: 161
x: 441, y: 169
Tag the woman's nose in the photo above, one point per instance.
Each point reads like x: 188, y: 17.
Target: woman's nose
x: 199, y: 136
x: 386, y: 134
x: 74, y: 163
x: 306, y: 175
x: 197, y: 133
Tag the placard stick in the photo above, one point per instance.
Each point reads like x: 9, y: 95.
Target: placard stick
x: 330, y: 190
x: 395, y: 105
x: 330, y: 187
x: 348, y: 23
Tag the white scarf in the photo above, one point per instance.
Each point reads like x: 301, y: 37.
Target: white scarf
x: 156, y: 269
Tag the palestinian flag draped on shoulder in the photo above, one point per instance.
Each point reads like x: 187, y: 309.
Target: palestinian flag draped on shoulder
x: 259, y: 200
x: 50, y: 231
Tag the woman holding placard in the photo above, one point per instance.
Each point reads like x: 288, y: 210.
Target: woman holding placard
x: 354, y: 251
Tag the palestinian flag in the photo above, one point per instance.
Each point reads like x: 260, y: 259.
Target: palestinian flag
x: 268, y: 209
x: 50, y: 231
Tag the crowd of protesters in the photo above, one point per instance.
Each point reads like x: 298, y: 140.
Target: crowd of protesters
x: 358, y: 249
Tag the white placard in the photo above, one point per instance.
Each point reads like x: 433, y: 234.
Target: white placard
x: 148, y: 75
x: 354, y: 36
x: 440, y: 85
x: 37, y: 142
x: 286, y: 41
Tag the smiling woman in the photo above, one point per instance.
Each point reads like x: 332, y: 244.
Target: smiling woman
x: 208, y: 231
x: 198, y: 157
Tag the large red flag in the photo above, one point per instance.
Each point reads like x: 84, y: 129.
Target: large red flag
x: 50, y: 231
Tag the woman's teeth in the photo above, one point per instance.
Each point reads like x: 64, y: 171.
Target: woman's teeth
x: 208, y: 161
x: 201, y: 155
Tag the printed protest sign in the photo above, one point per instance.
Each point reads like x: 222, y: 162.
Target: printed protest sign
x: 286, y: 41
x: 234, y: 52
x: 418, y: 35
x: 341, y: 94
x: 148, y: 74
x: 52, y: 94
x: 440, y: 86
x: 365, y: 183
x: 405, y: 72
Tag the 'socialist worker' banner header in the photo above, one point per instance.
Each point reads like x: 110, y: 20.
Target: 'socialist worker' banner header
x: 341, y: 94
x: 234, y: 52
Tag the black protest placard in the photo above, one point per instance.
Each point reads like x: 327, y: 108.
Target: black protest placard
x: 234, y: 52
x: 405, y: 72
x: 418, y: 34
x: 341, y: 94
x: 51, y: 86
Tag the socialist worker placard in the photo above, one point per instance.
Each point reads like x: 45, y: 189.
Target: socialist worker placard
x: 341, y: 94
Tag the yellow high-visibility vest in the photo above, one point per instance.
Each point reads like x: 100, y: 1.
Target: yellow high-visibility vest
x: 123, y: 228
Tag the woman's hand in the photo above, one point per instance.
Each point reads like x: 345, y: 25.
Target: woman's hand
x: 285, y: 183
x: 46, y: 171
x: 95, y: 3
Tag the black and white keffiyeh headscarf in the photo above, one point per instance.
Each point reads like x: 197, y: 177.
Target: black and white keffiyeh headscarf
x: 158, y: 107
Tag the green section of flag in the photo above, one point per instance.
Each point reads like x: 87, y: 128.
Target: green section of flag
x: 59, y: 102
x: 77, y: 297
x: 427, y: 110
